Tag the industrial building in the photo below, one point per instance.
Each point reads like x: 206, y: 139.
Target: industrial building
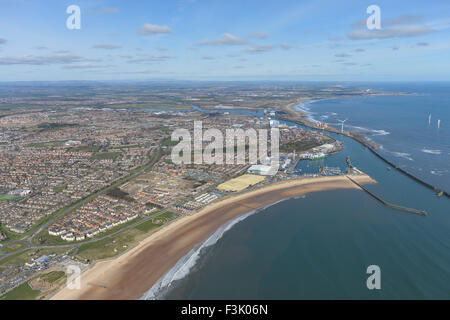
x: 263, y: 170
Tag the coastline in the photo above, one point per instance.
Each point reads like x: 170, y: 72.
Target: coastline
x: 299, y: 117
x: 132, y: 274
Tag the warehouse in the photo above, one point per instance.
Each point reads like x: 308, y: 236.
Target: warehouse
x: 263, y: 170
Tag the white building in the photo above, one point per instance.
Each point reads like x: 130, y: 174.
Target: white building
x: 263, y: 170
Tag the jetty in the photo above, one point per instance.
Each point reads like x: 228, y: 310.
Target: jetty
x: 388, y: 204
x: 372, y: 149
x: 408, y: 174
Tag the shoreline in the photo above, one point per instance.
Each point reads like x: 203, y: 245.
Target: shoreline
x: 132, y: 274
x: 298, y: 117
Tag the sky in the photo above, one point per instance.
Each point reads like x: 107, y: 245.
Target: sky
x: 224, y: 40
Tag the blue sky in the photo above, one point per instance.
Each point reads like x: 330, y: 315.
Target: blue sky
x: 224, y: 40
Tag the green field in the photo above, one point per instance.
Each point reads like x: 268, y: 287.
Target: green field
x: 22, y: 292
x: 25, y: 256
x: 85, y: 149
x: 130, y: 146
x: 18, y: 258
x: 156, y: 222
x: 53, y: 276
x: 46, y: 144
x: 61, y: 189
x: 113, y: 246
x: 169, y: 143
x: 43, y: 238
x: 42, y: 144
x: 9, y: 198
x: 13, y: 247
x: 108, y: 247
x: 106, y: 155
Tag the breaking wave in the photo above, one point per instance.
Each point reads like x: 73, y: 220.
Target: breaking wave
x: 439, y: 172
x: 430, y: 151
x: 314, y: 116
x: 380, y: 132
x: 403, y: 155
x: 182, y: 268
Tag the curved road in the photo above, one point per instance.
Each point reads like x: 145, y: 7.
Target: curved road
x: 28, y: 239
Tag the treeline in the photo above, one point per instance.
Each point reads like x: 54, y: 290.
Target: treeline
x: 119, y: 194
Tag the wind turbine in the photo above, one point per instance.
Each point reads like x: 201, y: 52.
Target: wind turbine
x: 342, y: 124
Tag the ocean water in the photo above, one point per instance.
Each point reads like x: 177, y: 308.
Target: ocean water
x: 319, y: 246
x: 400, y: 125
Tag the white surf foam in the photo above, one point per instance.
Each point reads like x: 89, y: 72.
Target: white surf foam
x: 399, y: 154
x: 182, y: 268
x: 304, y: 107
x: 430, y: 151
x: 437, y: 172
x: 380, y: 132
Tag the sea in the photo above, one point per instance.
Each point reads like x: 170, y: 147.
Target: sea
x: 320, y: 246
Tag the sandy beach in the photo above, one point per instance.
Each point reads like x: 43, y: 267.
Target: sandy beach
x: 130, y: 275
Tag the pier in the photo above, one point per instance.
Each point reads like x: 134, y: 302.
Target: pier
x: 388, y: 204
x: 406, y: 173
x: 438, y: 191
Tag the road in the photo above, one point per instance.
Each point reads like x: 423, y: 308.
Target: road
x: 30, y: 237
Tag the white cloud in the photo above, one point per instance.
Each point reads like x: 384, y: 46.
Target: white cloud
x: 150, y: 29
x: 342, y: 55
x: 102, y: 10
x: 44, y: 60
x: 86, y: 66
x: 225, y: 39
x: 402, y: 19
x: 392, y: 32
x: 440, y: 24
x: 150, y: 59
x: 285, y: 46
x: 108, y: 10
x: 259, y: 48
x: 260, y: 35
x: 106, y: 46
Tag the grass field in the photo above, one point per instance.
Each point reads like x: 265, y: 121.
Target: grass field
x: 85, y: 149
x: 116, y: 245
x: 53, y: 276
x: 108, y: 247
x: 18, y: 258
x: 42, y: 144
x: 156, y: 222
x: 130, y: 146
x: 47, y: 144
x: 169, y: 143
x: 22, y: 292
x: 13, y: 247
x: 9, y: 198
x: 43, y: 238
x: 25, y: 256
x: 106, y: 155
